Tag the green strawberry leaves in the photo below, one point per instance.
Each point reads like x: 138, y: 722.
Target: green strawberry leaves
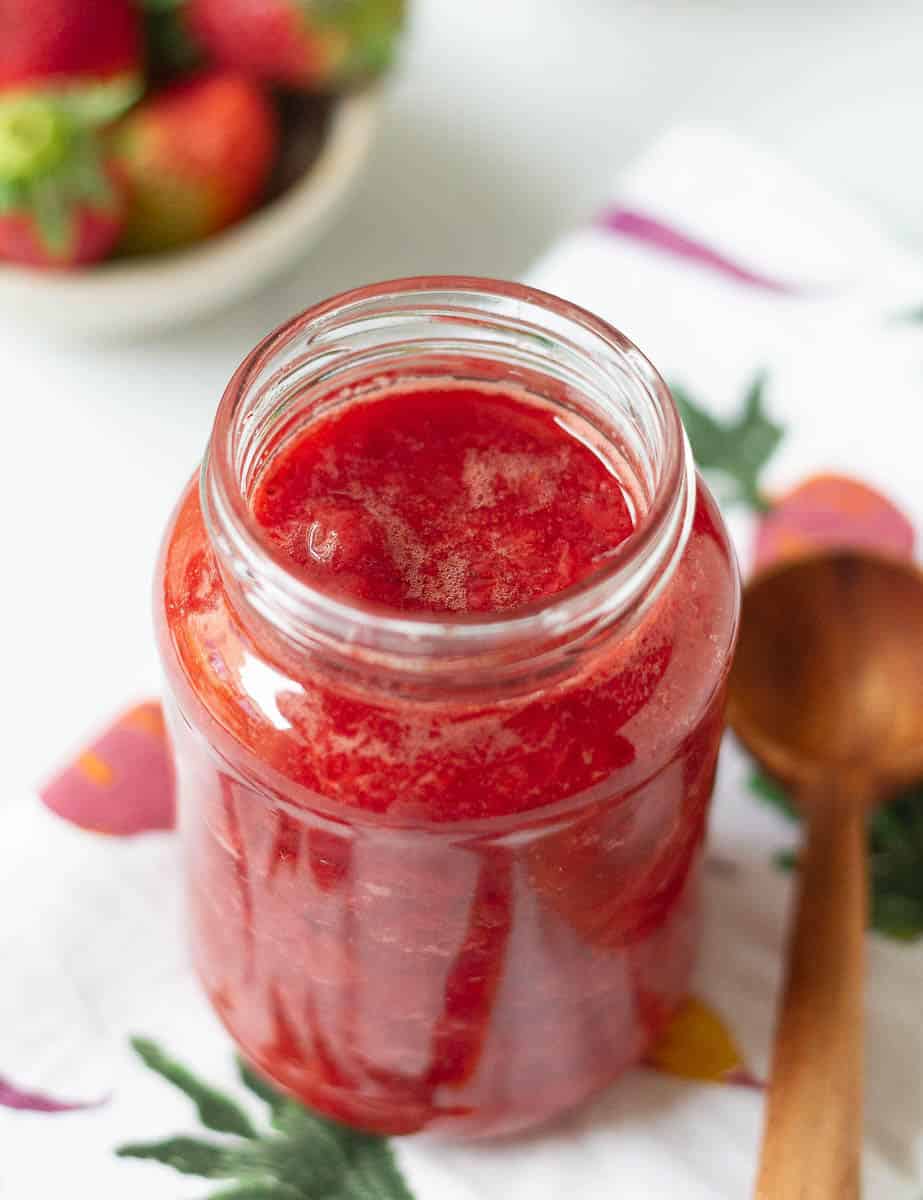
x: 51, y: 168
x: 895, y: 849
x: 733, y: 452
x: 100, y: 103
x: 372, y: 29
x: 303, y: 1156
x: 36, y: 137
x: 53, y: 217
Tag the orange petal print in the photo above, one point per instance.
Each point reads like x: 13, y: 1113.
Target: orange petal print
x: 146, y: 718
x: 831, y: 510
x: 123, y: 783
x: 94, y: 768
x: 697, y: 1044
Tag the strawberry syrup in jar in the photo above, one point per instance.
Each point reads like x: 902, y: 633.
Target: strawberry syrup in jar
x: 446, y: 629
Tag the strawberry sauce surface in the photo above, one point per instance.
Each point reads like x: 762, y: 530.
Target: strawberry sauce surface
x: 443, y: 500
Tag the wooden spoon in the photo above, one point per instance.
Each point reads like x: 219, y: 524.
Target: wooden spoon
x: 827, y: 693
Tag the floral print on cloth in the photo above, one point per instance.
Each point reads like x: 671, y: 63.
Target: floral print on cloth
x: 122, y: 783
x: 655, y: 1133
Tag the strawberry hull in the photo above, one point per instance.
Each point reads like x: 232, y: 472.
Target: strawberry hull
x: 94, y: 233
x: 61, y: 200
x: 92, y: 52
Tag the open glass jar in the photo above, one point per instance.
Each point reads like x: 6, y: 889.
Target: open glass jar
x: 443, y: 869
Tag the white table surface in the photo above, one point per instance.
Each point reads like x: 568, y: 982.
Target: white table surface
x: 506, y: 126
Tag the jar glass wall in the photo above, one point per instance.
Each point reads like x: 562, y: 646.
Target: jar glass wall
x: 443, y: 868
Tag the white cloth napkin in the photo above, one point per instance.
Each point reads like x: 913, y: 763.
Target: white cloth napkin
x: 718, y: 262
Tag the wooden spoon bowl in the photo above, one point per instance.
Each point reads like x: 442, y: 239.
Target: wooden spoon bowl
x: 827, y: 693
x: 829, y: 670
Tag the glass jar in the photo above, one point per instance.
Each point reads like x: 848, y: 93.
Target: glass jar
x: 443, y: 872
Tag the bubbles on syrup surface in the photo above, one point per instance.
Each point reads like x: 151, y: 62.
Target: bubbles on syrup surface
x: 491, y: 475
x: 430, y: 502
x: 321, y: 545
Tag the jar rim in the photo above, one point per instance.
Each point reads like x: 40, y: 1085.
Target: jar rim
x: 597, y: 598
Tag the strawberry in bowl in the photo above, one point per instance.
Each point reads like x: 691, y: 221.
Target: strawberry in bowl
x: 128, y: 145
x: 311, y: 45
x: 196, y: 157
x: 88, y: 52
x: 61, y: 200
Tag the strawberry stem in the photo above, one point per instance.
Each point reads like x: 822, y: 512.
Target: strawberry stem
x: 35, y: 138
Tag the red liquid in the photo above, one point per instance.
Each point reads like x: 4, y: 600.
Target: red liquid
x: 397, y: 975
x: 443, y: 500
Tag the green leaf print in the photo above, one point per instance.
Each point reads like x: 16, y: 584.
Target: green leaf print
x: 186, y: 1154
x: 302, y: 1156
x: 732, y: 452
x: 258, y: 1191
x: 895, y: 849
x: 216, y: 1111
x: 251, y: 1079
x: 375, y: 1175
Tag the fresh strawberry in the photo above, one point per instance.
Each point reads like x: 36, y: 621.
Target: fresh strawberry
x: 314, y: 45
x: 196, y: 157
x: 87, y: 51
x: 60, y: 202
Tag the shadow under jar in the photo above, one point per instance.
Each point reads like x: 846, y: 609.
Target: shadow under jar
x: 443, y: 852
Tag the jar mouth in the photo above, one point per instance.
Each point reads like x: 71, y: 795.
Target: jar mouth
x: 370, y: 330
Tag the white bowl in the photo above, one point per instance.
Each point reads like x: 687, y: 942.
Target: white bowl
x: 141, y: 295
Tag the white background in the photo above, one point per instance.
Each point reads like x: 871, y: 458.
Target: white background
x: 506, y: 127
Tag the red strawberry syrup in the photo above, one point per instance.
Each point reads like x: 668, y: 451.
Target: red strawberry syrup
x: 463, y: 911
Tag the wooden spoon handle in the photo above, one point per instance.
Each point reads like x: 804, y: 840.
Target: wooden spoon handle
x: 813, y: 1134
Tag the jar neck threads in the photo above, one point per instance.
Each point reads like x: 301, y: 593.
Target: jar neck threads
x: 481, y: 332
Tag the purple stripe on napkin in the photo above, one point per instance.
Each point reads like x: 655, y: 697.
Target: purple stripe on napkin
x: 14, y: 1097
x: 651, y: 232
